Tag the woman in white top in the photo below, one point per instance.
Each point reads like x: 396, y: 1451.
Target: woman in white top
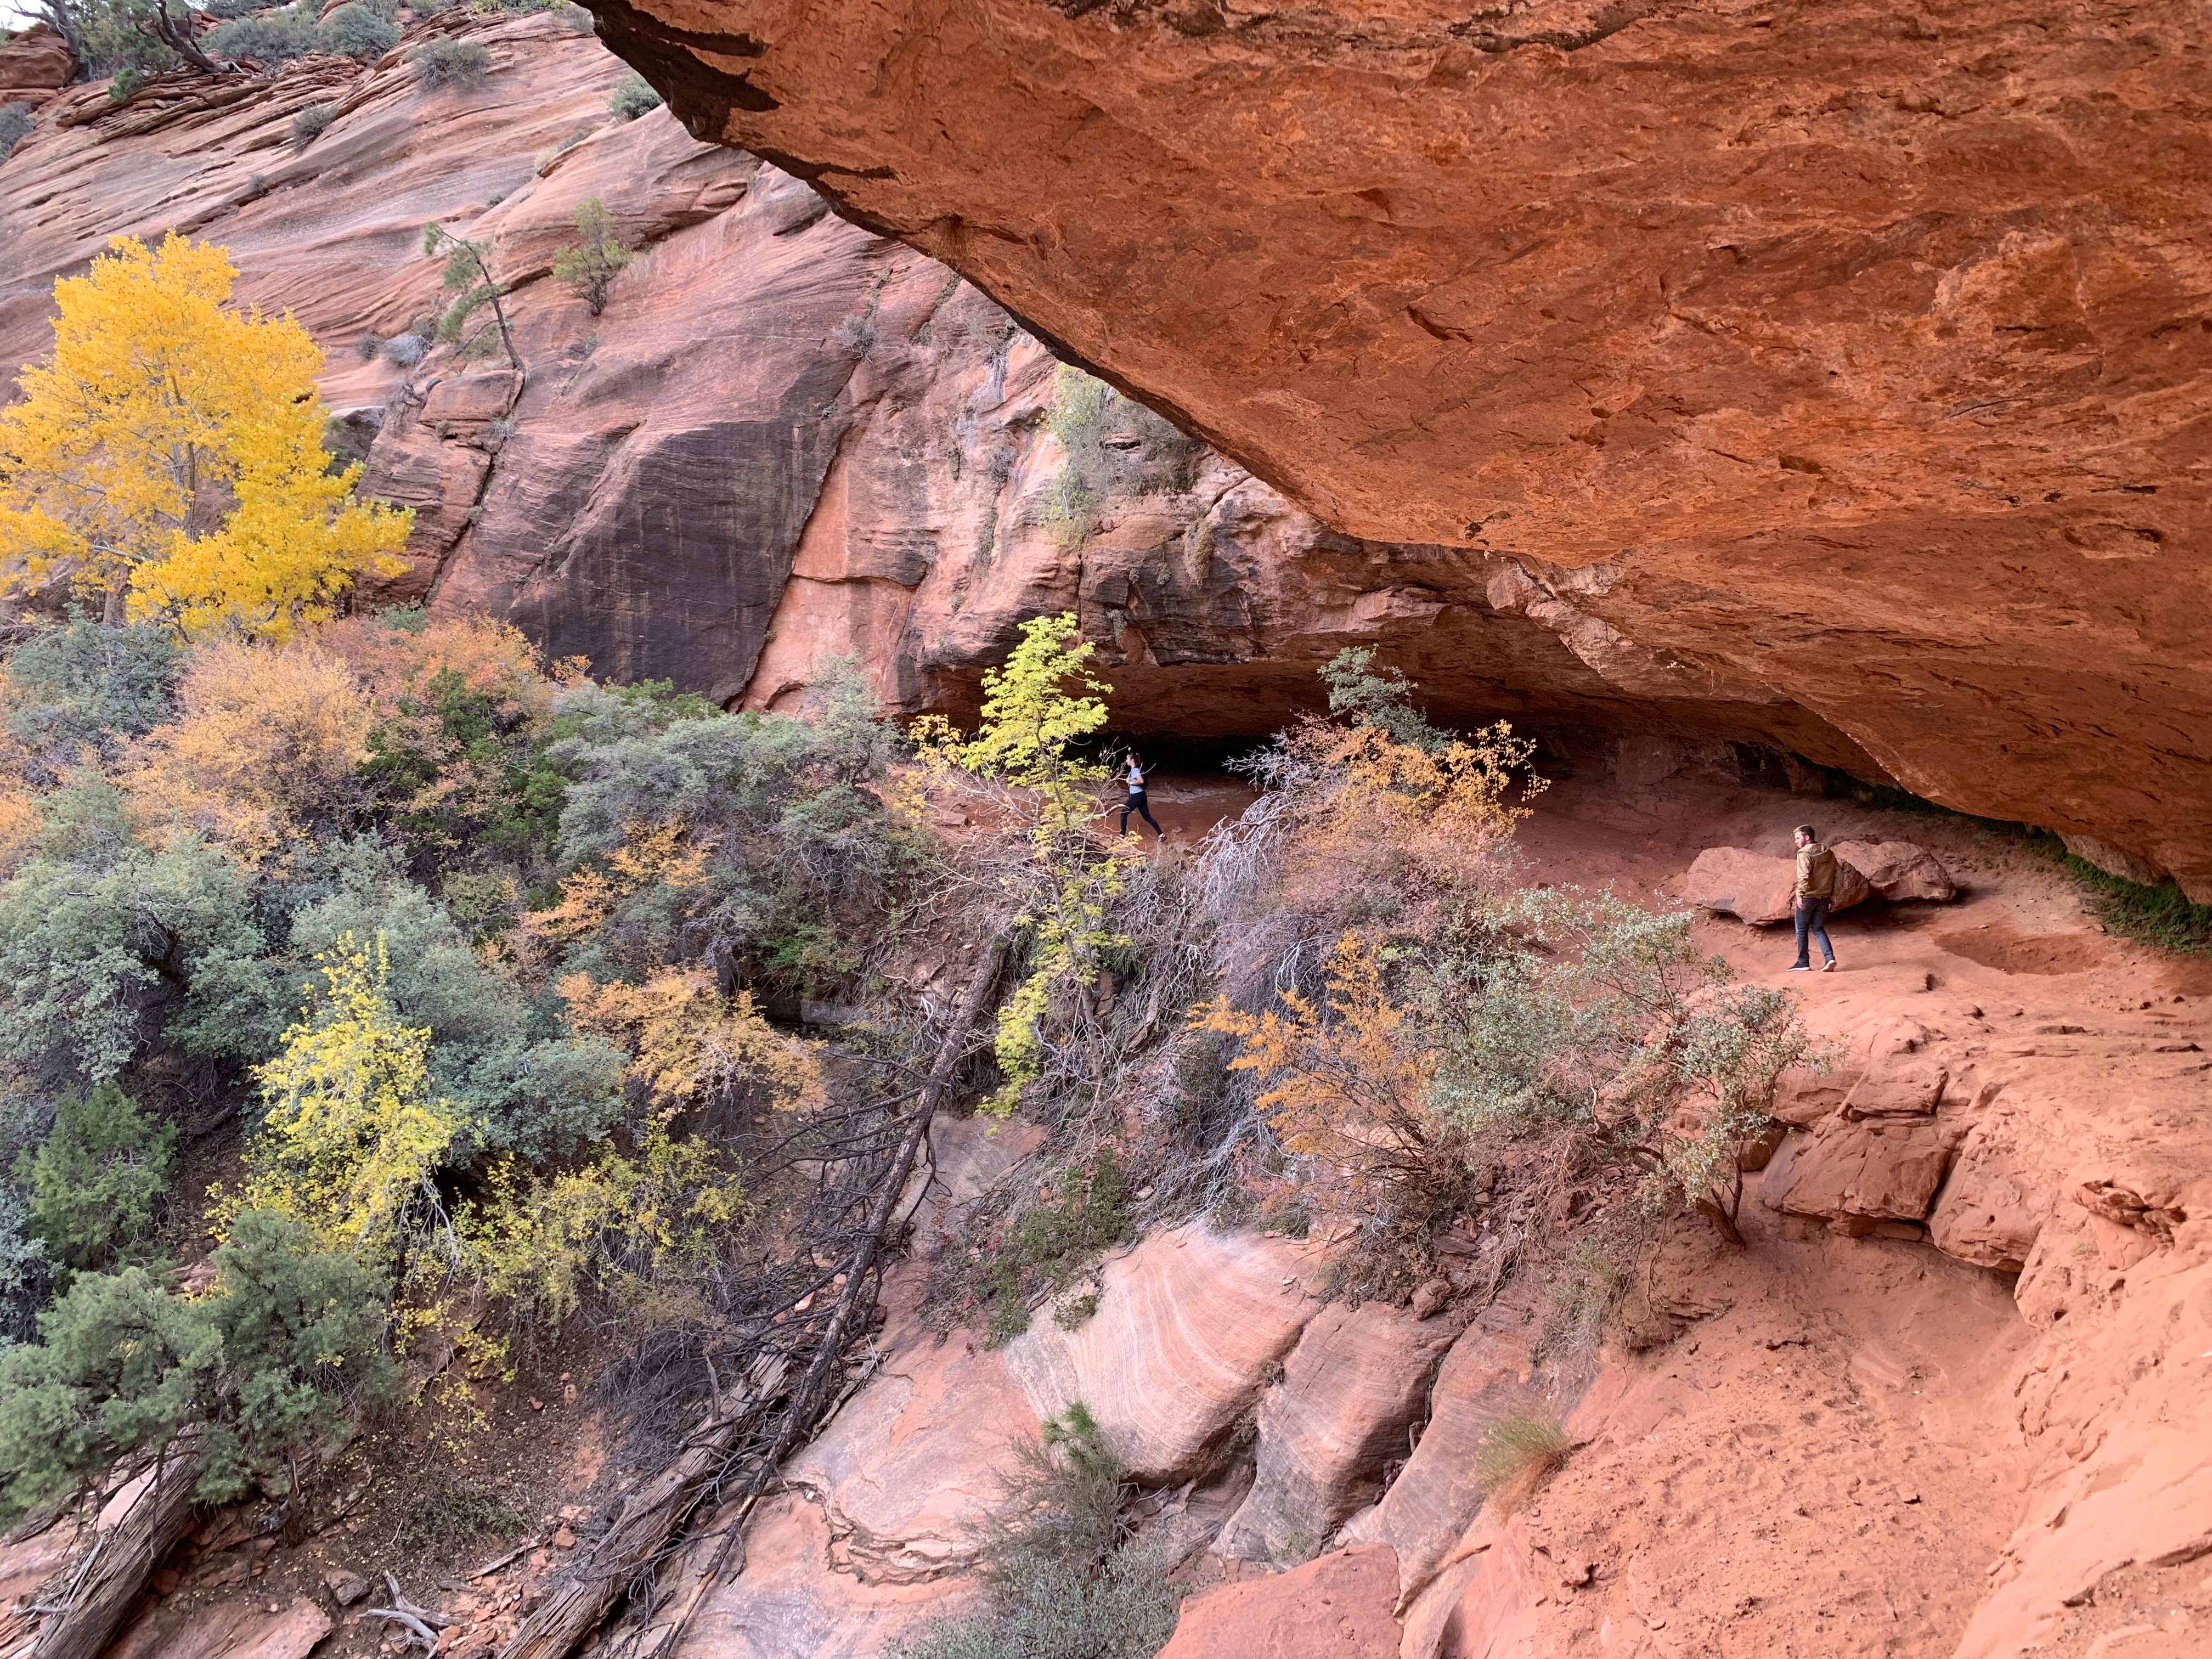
x: 1137, y: 802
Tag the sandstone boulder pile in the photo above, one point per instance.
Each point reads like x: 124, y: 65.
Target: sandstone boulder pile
x: 1756, y: 887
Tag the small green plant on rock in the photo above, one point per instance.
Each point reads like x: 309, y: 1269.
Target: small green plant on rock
x: 1050, y: 1244
x: 451, y: 63
x: 468, y: 278
x: 14, y: 123
x: 1063, y: 1577
x: 633, y: 96
x: 306, y: 126
x: 589, y: 265
x: 267, y: 37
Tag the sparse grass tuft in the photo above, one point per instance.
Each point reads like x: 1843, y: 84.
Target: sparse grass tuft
x: 1518, y: 1453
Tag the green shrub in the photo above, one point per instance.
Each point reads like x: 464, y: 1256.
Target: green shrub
x: 26, y: 1271
x: 98, y: 1180
x: 451, y: 63
x: 103, y: 943
x: 265, y: 1366
x: 306, y: 126
x: 448, y: 1513
x: 116, y: 42
x: 224, y: 11
x: 359, y: 32
x: 1046, y: 1246
x: 633, y: 96
x: 1063, y: 1577
x: 589, y: 265
x: 269, y: 38
x: 2161, y: 916
x: 574, y: 19
x: 87, y: 686
x: 14, y: 122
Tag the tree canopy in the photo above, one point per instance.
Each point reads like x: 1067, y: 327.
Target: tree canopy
x: 168, y: 459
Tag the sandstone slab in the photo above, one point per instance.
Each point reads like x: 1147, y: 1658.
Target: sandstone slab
x: 1187, y: 1326
x: 1998, y: 1194
x: 1491, y: 1372
x: 1874, y: 1170
x: 1900, y: 872
x: 789, y: 1603
x: 1355, y: 1384
x: 907, y: 1471
x: 1339, y: 1607
x: 35, y: 64
x: 235, y: 1629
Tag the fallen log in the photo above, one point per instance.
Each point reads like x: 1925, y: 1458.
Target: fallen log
x: 85, y: 1605
x: 698, y: 1476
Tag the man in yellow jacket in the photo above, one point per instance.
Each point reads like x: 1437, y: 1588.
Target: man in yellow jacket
x: 1815, y: 892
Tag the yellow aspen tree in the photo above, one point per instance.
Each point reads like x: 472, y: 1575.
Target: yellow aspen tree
x: 168, y: 459
x: 1037, y: 708
x: 354, y: 1137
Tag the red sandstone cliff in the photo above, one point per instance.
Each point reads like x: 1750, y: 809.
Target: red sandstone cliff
x: 1857, y: 353
x: 785, y: 437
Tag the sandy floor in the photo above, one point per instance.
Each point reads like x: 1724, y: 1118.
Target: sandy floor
x: 1832, y: 1462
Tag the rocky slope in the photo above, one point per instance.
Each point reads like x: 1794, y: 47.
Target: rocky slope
x: 1849, y: 354
x: 1949, y: 1403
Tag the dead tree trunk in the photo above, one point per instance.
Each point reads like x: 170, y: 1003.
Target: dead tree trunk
x: 656, y: 1511
x: 84, y: 1607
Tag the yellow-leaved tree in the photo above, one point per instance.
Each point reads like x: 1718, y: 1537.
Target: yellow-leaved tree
x: 1038, y: 708
x: 354, y: 1135
x: 168, y: 460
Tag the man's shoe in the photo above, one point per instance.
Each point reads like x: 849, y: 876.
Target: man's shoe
x: 1800, y: 967
x: 1829, y: 966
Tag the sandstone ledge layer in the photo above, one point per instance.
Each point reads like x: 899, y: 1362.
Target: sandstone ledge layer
x: 1856, y: 353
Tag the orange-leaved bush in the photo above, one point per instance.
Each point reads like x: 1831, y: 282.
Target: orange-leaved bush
x: 1348, y: 1079
x: 267, y: 748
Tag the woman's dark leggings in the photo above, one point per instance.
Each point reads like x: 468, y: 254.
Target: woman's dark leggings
x: 1138, y: 805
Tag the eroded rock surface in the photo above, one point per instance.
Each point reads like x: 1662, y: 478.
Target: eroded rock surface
x: 1336, y: 1607
x: 1187, y: 1325
x: 1340, y: 1416
x: 1855, y: 354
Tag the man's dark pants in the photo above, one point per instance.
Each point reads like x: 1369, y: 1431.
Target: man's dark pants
x: 1811, y: 918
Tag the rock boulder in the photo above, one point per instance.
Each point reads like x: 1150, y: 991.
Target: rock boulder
x: 1756, y: 887
x: 1350, y: 1389
x: 1898, y: 871
x: 1339, y: 1607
